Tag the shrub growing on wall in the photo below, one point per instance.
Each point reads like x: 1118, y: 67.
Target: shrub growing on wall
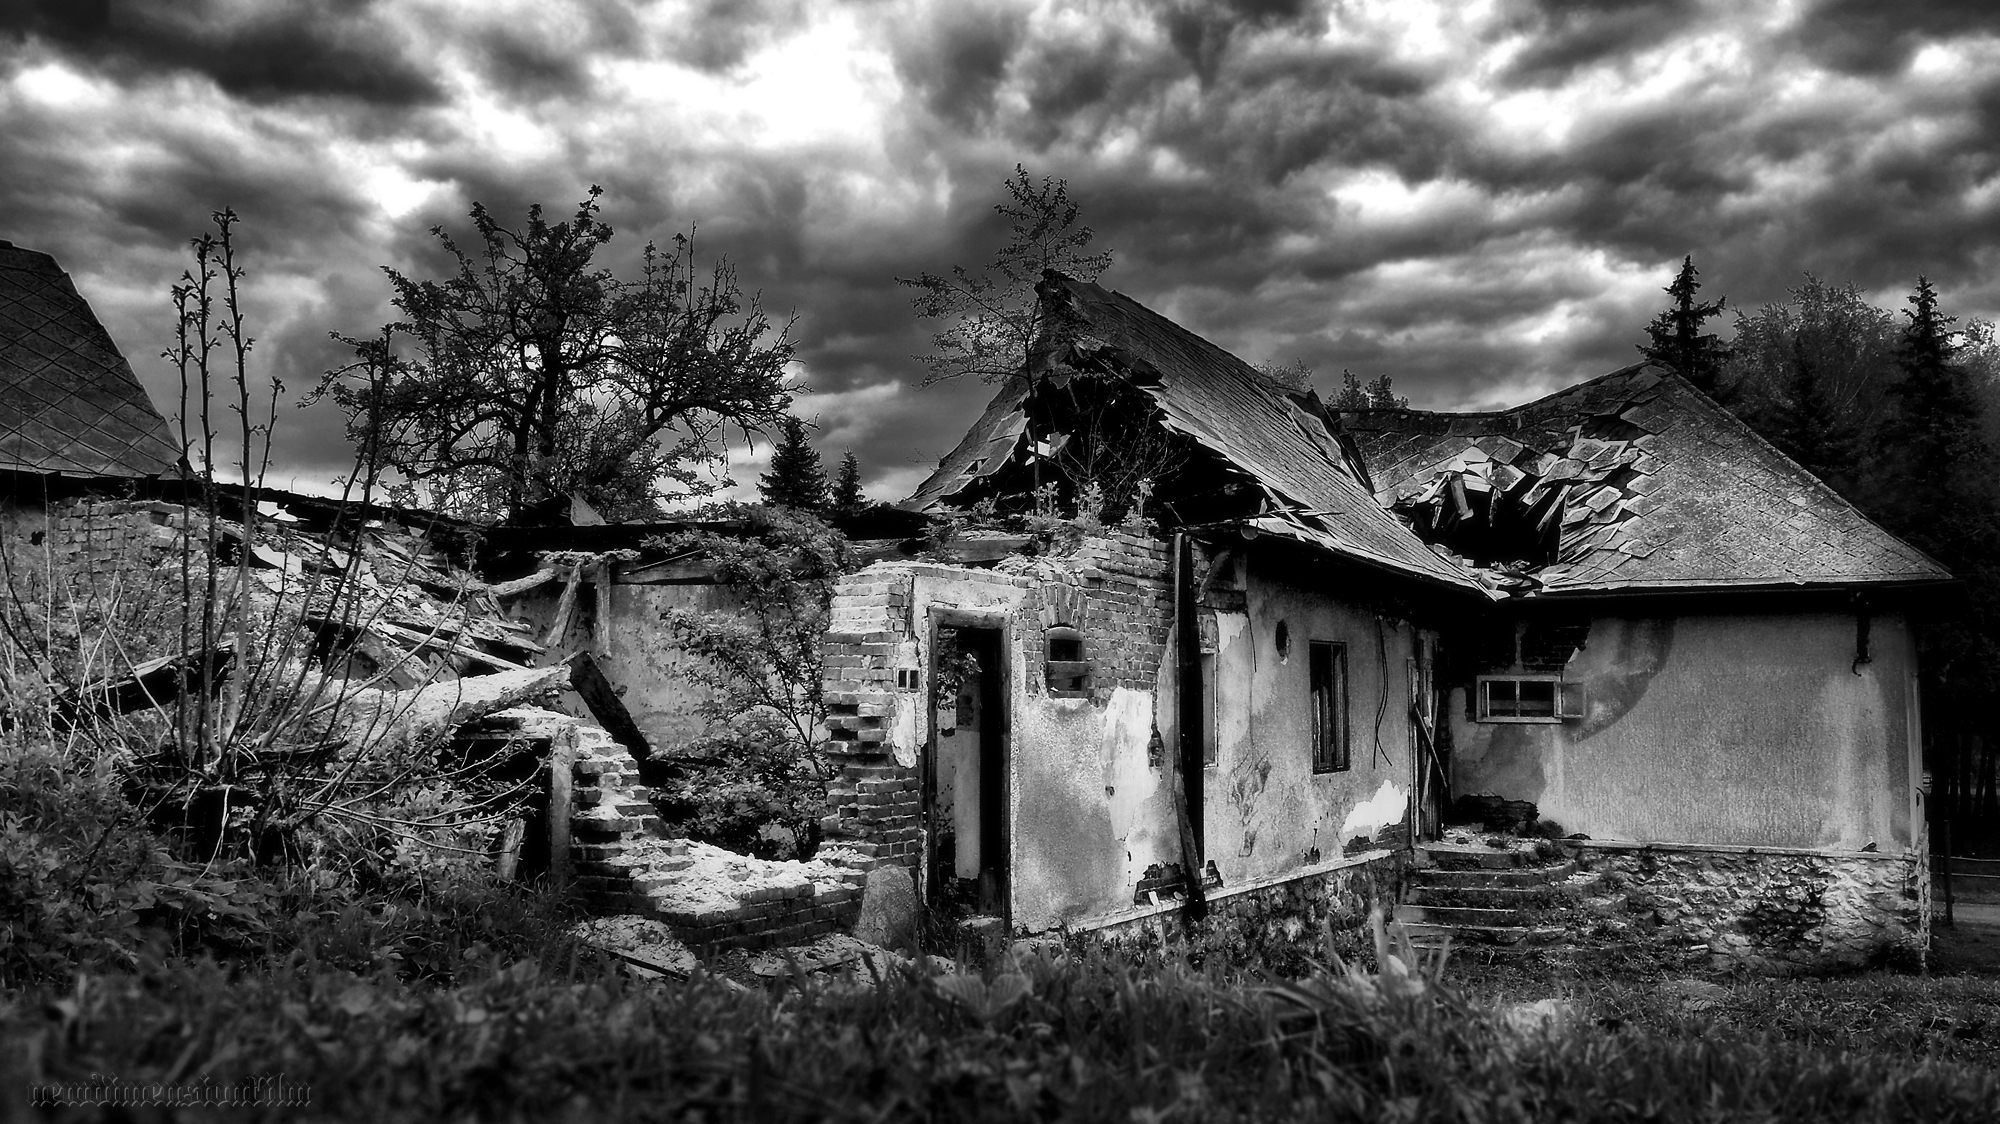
x: 753, y: 780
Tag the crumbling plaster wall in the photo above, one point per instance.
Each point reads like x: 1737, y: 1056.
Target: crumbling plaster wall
x: 1090, y: 802
x: 1756, y: 729
x: 619, y: 624
x: 1267, y: 811
x: 1088, y: 813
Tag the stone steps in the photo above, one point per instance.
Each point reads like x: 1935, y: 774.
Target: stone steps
x: 1481, y: 878
x: 1425, y: 934
x: 1461, y: 916
x: 1472, y: 892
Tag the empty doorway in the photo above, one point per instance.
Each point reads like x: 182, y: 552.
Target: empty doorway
x: 965, y: 775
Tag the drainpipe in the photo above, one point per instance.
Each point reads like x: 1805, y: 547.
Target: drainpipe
x: 1187, y: 701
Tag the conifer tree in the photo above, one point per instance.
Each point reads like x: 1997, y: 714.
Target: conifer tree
x: 847, y: 497
x: 1676, y: 340
x: 797, y: 478
x: 1933, y: 441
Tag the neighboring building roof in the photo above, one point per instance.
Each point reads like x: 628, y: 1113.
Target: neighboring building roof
x: 1659, y: 488
x: 69, y: 403
x: 1225, y: 406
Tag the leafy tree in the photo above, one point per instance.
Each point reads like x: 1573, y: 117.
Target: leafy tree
x: 797, y: 478
x: 1675, y: 337
x: 536, y: 374
x: 1810, y: 374
x: 1295, y: 376
x: 994, y: 316
x: 847, y: 496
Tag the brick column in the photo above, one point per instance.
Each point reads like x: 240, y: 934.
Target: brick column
x: 873, y: 804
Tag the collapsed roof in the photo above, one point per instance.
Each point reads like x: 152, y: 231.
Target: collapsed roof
x: 69, y: 403
x: 1629, y: 482
x: 1638, y: 480
x: 1312, y: 490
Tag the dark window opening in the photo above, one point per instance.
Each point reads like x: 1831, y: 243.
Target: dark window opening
x: 1283, y: 640
x: 1523, y: 699
x: 1068, y: 672
x: 1327, y: 673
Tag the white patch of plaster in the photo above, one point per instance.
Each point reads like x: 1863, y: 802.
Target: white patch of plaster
x: 903, y: 728
x: 1386, y: 807
x: 1130, y: 784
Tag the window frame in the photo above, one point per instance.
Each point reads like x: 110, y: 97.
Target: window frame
x: 1329, y: 738
x: 1558, y: 708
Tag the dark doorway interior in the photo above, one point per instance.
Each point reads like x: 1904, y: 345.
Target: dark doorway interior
x: 965, y: 776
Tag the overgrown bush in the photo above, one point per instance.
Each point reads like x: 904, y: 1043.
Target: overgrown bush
x: 753, y: 780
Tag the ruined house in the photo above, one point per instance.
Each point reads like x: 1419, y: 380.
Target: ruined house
x: 1279, y: 644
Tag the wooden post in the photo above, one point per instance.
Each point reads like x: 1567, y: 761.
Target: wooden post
x: 1945, y: 824
x: 562, y: 802
x: 1187, y: 705
x: 508, y: 861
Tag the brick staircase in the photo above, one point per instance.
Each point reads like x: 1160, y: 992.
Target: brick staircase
x: 1518, y: 895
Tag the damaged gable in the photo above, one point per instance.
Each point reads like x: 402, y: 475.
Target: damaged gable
x: 1632, y: 480
x: 1255, y: 452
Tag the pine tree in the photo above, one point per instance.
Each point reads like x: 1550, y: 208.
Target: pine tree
x: 797, y: 478
x: 847, y: 497
x: 1675, y: 336
x: 1933, y: 440
x: 1352, y: 396
x: 1382, y: 396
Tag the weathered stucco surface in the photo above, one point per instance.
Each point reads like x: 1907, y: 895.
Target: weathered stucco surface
x: 654, y: 677
x: 1267, y: 811
x: 1756, y: 729
x: 1090, y: 803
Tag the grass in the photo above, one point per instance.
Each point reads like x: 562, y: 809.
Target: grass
x: 461, y: 998
x: 550, y: 1032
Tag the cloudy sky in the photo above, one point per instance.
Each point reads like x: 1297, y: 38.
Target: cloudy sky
x: 1482, y: 200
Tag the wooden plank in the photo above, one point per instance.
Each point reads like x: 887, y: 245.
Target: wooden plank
x: 154, y: 683
x: 565, y: 608
x: 605, y: 706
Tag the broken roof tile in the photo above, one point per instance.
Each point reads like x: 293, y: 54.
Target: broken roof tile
x: 1699, y: 475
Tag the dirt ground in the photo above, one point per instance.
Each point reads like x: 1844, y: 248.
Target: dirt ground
x: 1970, y: 945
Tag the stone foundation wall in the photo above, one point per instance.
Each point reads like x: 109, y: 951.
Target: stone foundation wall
x: 1771, y: 910
x: 1278, y: 924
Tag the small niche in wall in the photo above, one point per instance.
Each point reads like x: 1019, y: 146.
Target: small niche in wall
x: 1283, y: 642
x: 1068, y: 671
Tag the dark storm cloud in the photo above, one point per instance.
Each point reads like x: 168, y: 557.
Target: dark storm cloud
x: 1868, y: 37
x: 1201, y: 30
x: 1565, y: 35
x: 955, y: 56
x: 276, y: 49
x: 720, y: 34
x: 1475, y: 204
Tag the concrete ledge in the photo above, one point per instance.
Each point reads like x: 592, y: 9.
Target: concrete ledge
x: 1142, y: 912
x: 1737, y: 849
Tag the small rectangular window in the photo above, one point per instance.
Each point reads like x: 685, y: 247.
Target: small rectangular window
x: 1327, y: 673
x: 1523, y: 698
